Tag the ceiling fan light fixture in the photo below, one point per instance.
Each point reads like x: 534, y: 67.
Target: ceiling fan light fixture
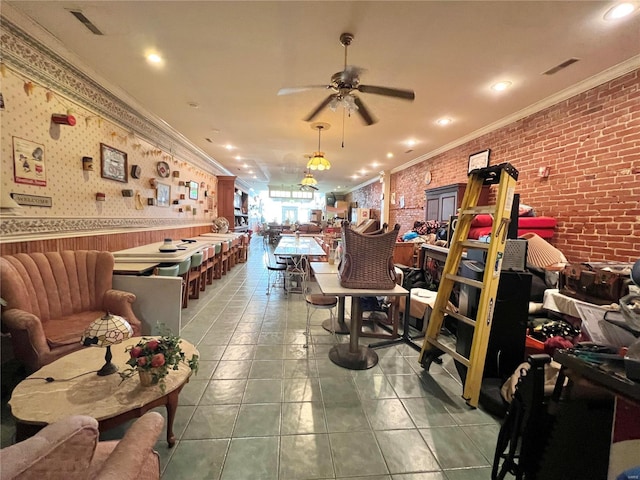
x: 318, y: 162
x: 308, y: 180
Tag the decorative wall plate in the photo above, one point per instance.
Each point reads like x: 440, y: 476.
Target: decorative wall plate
x: 163, y: 169
x: 427, y: 177
x: 135, y: 171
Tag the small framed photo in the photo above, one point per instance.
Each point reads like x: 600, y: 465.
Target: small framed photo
x: 193, y: 190
x: 163, y: 194
x: 114, y: 164
x: 478, y: 160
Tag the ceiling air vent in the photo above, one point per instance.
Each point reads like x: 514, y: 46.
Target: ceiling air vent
x: 86, y: 22
x: 561, y: 66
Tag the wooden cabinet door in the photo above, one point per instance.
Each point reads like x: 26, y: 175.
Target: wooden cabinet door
x: 433, y: 208
x: 448, y: 205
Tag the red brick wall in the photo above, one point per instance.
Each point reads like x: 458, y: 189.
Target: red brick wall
x: 590, y: 142
x: 367, y: 197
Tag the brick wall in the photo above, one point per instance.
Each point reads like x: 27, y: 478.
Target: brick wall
x: 590, y: 142
x: 367, y: 197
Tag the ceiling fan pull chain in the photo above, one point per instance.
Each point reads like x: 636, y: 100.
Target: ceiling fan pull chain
x: 343, y: 114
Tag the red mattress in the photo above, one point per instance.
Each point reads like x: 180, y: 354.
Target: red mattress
x: 542, y: 226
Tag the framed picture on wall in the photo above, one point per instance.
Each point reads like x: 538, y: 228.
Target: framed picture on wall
x: 28, y: 162
x: 163, y: 194
x: 478, y: 160
x: 114, y: 164
x: 193, y: 190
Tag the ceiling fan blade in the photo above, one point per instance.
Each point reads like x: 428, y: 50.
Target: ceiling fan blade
x: 290, y: 90
x: 320, y: 107
x: 364, y: 113
x: 389, y: 92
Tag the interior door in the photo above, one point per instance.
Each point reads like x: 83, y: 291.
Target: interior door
x: 289, y: 215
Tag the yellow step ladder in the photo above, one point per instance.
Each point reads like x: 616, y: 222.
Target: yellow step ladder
x: 505, y: 175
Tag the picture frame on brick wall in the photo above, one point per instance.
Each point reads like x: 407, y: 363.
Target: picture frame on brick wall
x: 478, y: 160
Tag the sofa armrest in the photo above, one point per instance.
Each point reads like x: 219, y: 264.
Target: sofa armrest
x: 119, y: 303
x: 28, y: 338
x: 133, y: 451
x: 66, y: 446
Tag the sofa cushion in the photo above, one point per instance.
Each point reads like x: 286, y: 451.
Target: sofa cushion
x: 69, y: 330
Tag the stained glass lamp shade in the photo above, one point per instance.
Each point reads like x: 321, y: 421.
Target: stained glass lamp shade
x: 104, y: 332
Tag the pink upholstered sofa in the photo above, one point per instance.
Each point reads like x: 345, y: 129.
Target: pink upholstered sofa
x: 52, y: 297
x: 69, y: 450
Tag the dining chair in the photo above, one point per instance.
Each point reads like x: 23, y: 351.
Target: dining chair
x: 226, y: 252
x: 183, y: 271
x: 192, y: 289
x: 318, y: 301
x: 217, y: 261
x: 204, y: 266
x: 170, y: 271
x: 273, y: 269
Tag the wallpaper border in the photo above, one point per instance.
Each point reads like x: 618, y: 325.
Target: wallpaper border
x: 12, y: 229
x: 36, y: 60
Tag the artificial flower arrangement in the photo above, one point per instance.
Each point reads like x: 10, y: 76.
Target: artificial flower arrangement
x: 153, y: 357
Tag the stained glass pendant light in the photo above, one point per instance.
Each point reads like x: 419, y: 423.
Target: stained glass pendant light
x: 318, y: 161
x: 308, y: 180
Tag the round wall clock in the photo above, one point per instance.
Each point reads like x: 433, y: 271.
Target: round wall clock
x: 427, y: 177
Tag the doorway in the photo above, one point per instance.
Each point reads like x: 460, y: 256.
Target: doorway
x: 289, y: 215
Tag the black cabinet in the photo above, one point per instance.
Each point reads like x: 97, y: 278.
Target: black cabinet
x: 443, y: 202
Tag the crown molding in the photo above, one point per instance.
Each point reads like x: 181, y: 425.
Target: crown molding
x: 603, y: 77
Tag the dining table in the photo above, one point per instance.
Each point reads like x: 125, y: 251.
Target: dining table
x: 298, y: 250
x: 128, y: 268
x: 352, y: 355
x: 151, y: 252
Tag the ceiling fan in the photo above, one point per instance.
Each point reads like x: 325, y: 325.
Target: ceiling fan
x: 344, y: 84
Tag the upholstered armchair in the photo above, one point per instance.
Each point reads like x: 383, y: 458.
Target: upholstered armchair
x: 52, y: 297
x: 69, y: 450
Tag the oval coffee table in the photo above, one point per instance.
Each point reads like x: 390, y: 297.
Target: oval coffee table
x: 36, y: 403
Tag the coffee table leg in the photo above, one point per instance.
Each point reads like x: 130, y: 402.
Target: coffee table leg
x: 172, y: 405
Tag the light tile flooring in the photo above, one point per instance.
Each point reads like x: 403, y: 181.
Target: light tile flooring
x: 263, y: 407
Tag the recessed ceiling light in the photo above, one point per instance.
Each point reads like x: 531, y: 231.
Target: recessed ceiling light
x: 375, y: 165
x: 501, y: 86
x: 254, y: 177
x: 620, y: 11
x: 245, y: 165
x: 354, y: 176
x: 411, y: 142
x: 228, y: 146
x: 154, y: 58
x: 389, y: 155
x: 443, y: 121
x: 238, y: 157
x: 251, y: 172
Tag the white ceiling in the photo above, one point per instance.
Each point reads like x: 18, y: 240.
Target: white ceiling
x: 232, y: 57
